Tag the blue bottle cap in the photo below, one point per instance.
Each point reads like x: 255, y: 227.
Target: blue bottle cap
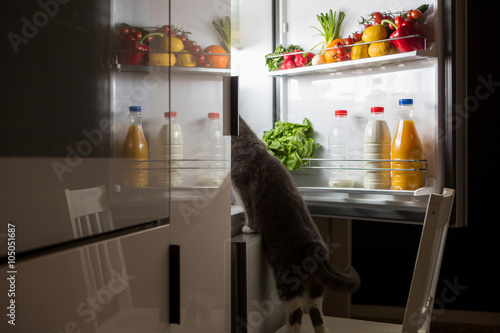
x: 407, y: 101
x: 134, y: 108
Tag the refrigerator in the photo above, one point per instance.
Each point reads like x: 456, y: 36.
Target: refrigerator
x: 166, y: 256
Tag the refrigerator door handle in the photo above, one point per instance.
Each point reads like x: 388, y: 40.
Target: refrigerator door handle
x: 175, y: 284
x: 230, y: 105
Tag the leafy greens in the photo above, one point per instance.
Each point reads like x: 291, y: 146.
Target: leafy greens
x: 275, y: 59
x: 291, y: 143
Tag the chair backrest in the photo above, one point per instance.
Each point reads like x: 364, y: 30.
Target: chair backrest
x: 90, y: 211
x: 102, y: 262
x: 420, y: 302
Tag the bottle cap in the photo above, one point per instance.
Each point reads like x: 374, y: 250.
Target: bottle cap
x: 406, y: 101
x: 171, y: 113
x: 213, y: 115
x: 377, y: 109
x: 134, y: 108
x: 341, y: 112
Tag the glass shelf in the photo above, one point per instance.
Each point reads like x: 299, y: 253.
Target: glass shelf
x: 174, y: 69
x: 365, y: 63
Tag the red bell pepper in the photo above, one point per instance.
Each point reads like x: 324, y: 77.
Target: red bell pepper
x: 135, y: 50
x: 407, y: 28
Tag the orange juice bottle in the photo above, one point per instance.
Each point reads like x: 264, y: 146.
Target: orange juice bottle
x: 135, y: 149
x: 407, y: 146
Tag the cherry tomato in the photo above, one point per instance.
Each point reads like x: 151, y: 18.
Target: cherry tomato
x: 416, y: 14
x: 338, y: 44
x: 173, y: 34
x: 399, y: 20
x: 124, y: 31
x: 138, y: 35
x: 200, y: 59
x: 349, y: 41
x: 377, y: 17
x: 356, y: 37
x: 341, y: 52
x: 188, y: 44
x: 165, y: 29
x: 195, y: 49
x: 132, y: 30
x: 149, y: 39
x: 183, y: 38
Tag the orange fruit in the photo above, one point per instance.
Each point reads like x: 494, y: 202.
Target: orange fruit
x: 217, y: 60
x: 331, y: 55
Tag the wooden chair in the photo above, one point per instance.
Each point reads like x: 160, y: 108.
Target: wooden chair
x: 418, y: 312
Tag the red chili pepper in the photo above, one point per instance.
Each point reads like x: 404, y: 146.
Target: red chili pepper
x: 407, y: 28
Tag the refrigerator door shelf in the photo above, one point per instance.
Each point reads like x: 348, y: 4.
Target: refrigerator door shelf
x: 398, y: 61
x: 174, y: 69
x: 431, y: 188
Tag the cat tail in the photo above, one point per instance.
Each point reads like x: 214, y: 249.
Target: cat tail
x: 346, y: 282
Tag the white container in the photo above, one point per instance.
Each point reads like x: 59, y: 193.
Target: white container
x: 339, y: 148
x: 170, y: 149
x: 377, y: 146
x: 214, y: 152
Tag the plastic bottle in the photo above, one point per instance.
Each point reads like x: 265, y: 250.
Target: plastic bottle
x: 214, y: 151
x: 339, y: 147
x: 377, y: 146
x: 135, y: 148
x: 407, y: 146
x: 170, y: 148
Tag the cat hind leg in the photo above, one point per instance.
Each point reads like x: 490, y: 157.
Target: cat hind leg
x: 315, y: 307
x: 294, y: 310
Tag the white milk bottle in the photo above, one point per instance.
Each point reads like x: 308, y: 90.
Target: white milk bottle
x: 339, y: 147
x: 214, y: 151
x: 170, y: 148
x: 377, y: 146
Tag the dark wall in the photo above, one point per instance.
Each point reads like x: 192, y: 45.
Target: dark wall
x: 384, y: 253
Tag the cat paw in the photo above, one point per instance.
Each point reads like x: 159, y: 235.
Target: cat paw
x: 247, y: 230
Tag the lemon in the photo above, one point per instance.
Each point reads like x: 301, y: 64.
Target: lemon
x: 173, y: 44
x: 162, y: 59
x: 185, y: 59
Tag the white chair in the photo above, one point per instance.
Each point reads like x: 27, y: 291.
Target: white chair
x: 418, y: 313
x: 90, y: 211
x: 103, y: 262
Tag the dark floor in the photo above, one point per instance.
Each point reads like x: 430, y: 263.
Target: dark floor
x: 462, y: 328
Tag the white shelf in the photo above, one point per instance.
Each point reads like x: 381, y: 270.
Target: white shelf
x: 174, y: 69
x: 365, y: 63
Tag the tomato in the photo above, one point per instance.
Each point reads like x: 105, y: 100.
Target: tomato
x: 356, y: 37
x: 195, y: 49
x: 138, y: 35
x: 183, y: 38
x: 341, y: 52
x: 165, y: 29
x: 399, y: 20
x: 416, y: 14
x: 200, y: 59
x: 124, y: 31
x: 377, y: 17
x: 349, y: 41
x: 132, y: 30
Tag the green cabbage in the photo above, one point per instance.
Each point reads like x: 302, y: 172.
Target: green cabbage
x: 291, y: 143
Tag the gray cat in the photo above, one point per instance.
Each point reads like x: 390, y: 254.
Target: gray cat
x: 291, y: 240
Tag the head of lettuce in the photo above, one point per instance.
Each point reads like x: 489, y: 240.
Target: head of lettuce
x: 291, y: 143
